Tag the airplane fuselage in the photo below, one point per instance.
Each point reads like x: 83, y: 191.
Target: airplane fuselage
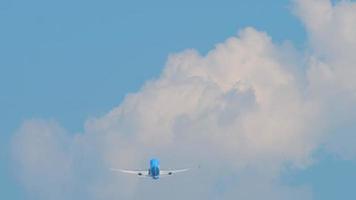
x: 154, y: 169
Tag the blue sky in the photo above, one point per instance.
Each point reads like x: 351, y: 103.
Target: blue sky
x: 118, y: 44
x: 70, y: 60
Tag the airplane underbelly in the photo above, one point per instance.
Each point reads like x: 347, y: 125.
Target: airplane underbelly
x: 154, y: 172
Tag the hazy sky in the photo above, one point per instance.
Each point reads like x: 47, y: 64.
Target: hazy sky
x: 261, y: 94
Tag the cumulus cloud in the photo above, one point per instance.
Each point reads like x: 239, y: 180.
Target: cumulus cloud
x: 331, y: 72
x: 245, y: 112
x: 40, y: 152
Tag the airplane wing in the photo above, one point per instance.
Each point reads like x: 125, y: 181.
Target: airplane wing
x: 171, y: 172
x: 137, y: 172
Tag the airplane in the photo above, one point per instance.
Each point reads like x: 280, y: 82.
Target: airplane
x: 153, y: 172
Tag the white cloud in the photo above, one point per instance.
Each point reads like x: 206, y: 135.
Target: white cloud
x: 40, y: 151
x: 243, y: 111
x: 332, y: 30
